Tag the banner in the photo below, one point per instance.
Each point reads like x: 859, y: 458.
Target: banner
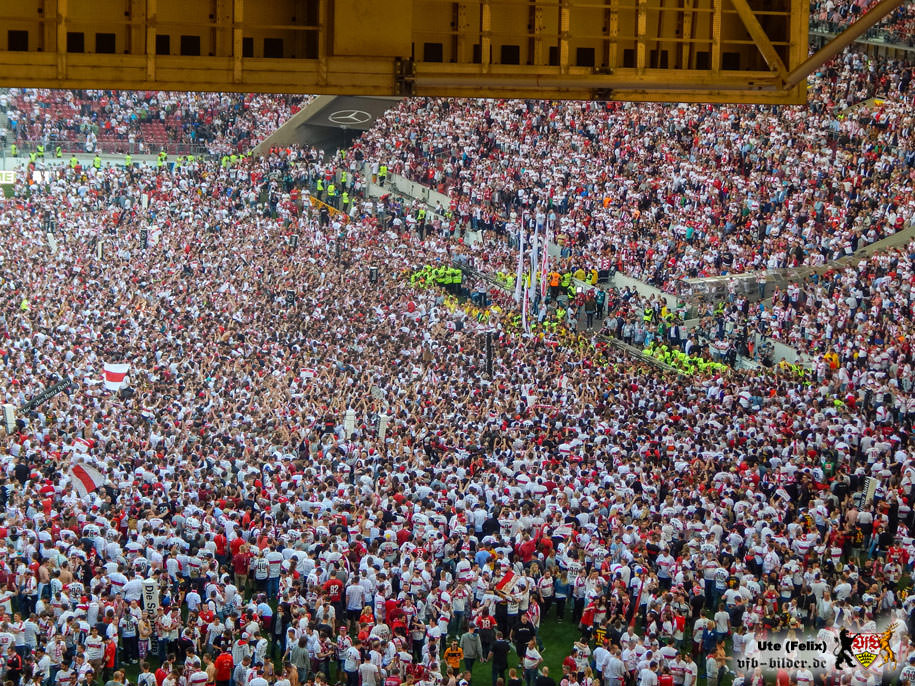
x: 544, y: 265
x: 519, y: 280
x: 150, y: 598
x: 46, y: 394
x: 9, y: 415
x: 349, y: 423
x: 318, y: 204
x: 535, y: 262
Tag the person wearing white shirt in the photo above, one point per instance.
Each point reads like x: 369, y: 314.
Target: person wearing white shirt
x: 260, y: 651
x: 193, y: 600
x: 351, y: 665
x: 42, y: 665
x: 531, y: 662
x: 647, y: 676
x: 804, y: 677
x: 369, y: 673
x: 601, y: 658
x: 614, y: 669
x: 690, y: 672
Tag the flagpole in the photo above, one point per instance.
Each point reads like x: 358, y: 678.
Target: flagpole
x: 520, y: 274
x: 535, y: 258
x: 638, y: 599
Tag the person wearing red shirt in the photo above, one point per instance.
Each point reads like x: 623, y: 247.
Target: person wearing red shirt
x: 224, y: 667
x: 334, y: 589
x: 569, y: 666
x: 219, y: 540
x: 164, y: 670
x: 587, y: 618
x: 111, y: 651
x: 205, y: 615
x: 235, y: 545
x: 240, y: 563
x: 527, y: 548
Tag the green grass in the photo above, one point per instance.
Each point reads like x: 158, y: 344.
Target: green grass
x: 557, y: 638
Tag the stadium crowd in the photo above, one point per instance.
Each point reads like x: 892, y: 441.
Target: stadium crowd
x: 665, y: 193
x: 313, y: 470
x: 143, y: 122
x: 833, y: 16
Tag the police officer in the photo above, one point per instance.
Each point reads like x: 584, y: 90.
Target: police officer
x: 421, y: 222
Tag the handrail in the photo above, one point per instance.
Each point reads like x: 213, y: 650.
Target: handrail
x: 71, y: 146
x: 875, y: 36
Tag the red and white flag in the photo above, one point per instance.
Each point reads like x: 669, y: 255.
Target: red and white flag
x: 308, y: 373
x: 86, y: 479
x: 507, y: 583
x: 115, y: 376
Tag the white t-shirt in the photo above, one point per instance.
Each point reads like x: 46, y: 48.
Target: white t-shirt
x: 648, y: 678
x: 532, y: 658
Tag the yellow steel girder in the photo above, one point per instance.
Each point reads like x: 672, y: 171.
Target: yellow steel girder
x: 714, y: 50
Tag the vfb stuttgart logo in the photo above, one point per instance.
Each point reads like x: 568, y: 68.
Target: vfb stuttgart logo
x: 866, y: 648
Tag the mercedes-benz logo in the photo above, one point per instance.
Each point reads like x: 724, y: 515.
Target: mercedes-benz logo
x: 349, y: 117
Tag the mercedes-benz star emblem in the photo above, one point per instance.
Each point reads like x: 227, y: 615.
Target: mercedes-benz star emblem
x: 349, y: 117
